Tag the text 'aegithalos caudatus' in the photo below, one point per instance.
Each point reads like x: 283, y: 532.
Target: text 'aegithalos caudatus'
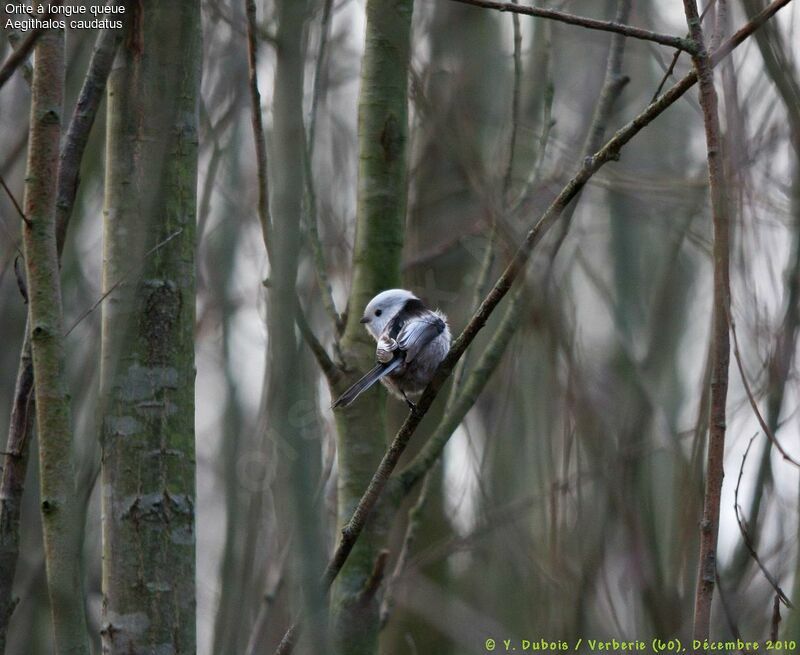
x: 412, y: 342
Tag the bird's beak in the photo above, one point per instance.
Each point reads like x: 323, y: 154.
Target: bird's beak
x: 365, y: 319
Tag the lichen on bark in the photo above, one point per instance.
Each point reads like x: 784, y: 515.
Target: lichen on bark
x: 147, y: 377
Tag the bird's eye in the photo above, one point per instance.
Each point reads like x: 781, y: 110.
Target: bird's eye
x: 378, y: 312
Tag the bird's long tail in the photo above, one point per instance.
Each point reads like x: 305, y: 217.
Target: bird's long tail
x: 366, y: 382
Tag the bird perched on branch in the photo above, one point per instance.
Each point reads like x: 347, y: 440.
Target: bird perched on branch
x: 412, y: 342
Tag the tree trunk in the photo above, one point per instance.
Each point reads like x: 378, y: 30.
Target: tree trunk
x: 147, y: 378
x: 62, y: 533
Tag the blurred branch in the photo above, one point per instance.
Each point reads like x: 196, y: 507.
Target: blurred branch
x: 320, y: 265
x: 329, y: 369
x: 320, y: 74
x: 415, y: 515
x: 14, y: 39
x: 13, y: 201
x: 589, y: 23
x: 751, y: 399
x: 709, y: 526
x: 609, y: 152
x: 259, y: 139
x: 19, y: 56
x: 784, y: 75
x: 515, y: 102
x: 83, y: 116
x: 121, y: 280
x: 746, y: 537
x: 613, y: 83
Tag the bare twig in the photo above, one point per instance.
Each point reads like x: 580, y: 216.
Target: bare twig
x: 613, y: 84
x: 121, y: 280
x: 746, y: 537
x: 609, y: 152
x: 329, y: 369
x: 259, y: 139
x: 709, y: 526
x: 727, y: 610
x: 319, y: 74
x: 589, y: 23
x: 14, y: 201
x: 317, y: 250
x: 675, y: 57
x: 515, y: 102
x: 414, y: 522
x: 751, y: 398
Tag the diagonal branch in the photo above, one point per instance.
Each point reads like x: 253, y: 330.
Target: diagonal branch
x: 19, y: 56
x: 748, y: 542
x: 589, y: 23
x: 609, y: 152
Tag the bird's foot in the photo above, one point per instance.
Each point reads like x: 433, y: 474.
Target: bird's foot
x: 410, y: 404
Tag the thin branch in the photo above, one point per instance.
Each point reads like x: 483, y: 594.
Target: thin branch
x: 746, y: 537
x: 589, y: 23
x: 14, y: 201
x: 751, y: 398
x: 319, y: 74
x: 14, y: 39
x: 515, y: 103
x: 415, y: 515
x: 609, y: 152
x: 19, y: 56
x: 720, y: 330
x: 329, y: 369
x: 259, y: 139
x: 320, y: 265
x: 613, y: 84
x: 726, y: 609
x: 776, y: 618
x: 121, y: 280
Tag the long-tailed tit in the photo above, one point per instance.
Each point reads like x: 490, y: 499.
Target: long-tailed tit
x: 412, y: 342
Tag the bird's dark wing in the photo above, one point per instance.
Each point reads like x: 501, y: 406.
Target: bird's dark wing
x: 366, y: 382
x: 418, y: 333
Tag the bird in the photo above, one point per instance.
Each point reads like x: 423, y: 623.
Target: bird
x: 412, y: 341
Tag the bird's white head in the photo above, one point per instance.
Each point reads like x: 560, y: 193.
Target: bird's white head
x: 383, y: 308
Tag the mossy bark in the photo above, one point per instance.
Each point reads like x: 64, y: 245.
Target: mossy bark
x: 361, y: 428
x: 147, y: 378
x: 62, y: 532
